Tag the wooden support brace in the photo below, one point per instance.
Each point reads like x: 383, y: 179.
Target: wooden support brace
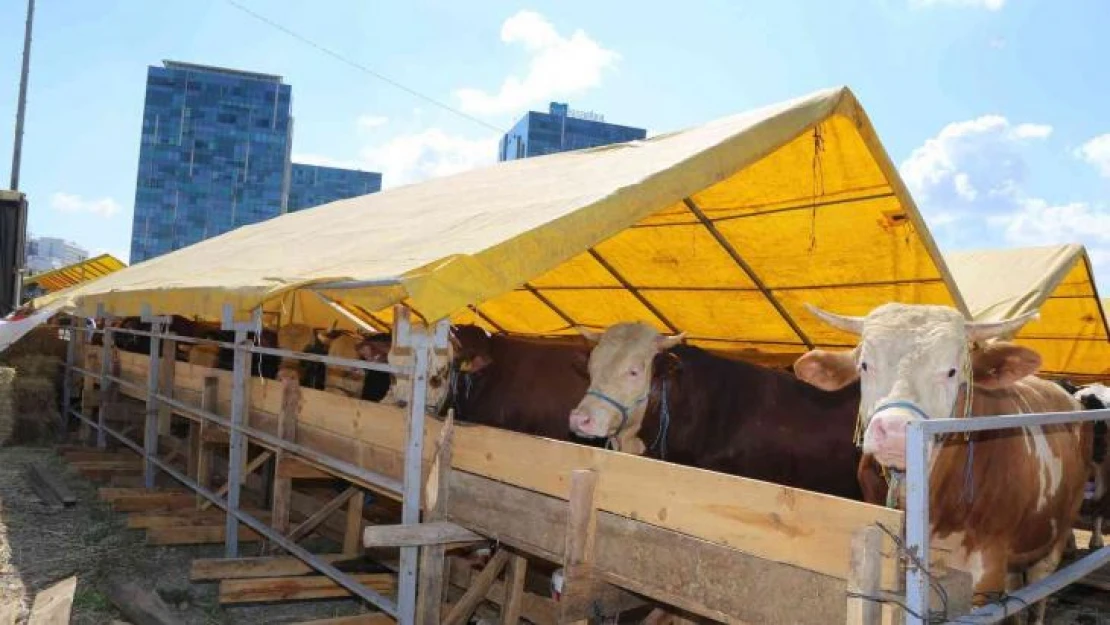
x: 514, y: 590
x: 430, y: 533
x: 462, y: 610
x: 329, y: 508
x: 167, y: 365
x: 430, y: 585
x: 578, y: 585
x: 251, y: 467
x: 209, y: 397
x: 354, y: 523
x: 281, y: 502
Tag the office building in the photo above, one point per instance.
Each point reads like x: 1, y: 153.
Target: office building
x: 47, y: 253
x: 214, y: 155
x: 313, y: 185
x: 560, y: 130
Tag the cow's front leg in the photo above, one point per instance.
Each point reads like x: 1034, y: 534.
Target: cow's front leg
x: 1096, y: 533
x: 1039, y: 571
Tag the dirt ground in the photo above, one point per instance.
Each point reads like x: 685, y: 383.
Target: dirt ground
x: 40, y: 547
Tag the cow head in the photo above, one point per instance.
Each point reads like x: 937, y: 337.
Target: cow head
x: 344, y: 380
x: 911, y: 362
x: 439, y: 375
x: 620, y: 369
x: 473, y: 349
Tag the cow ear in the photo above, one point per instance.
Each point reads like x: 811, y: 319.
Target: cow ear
x: 663, y: 343
x: 999, y: 365
x: 581, y: 364
x: 590, y: 335
x: 828, y: 371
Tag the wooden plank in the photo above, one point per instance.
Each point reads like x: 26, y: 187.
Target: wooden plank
x: 98, y: 456
x: 514, y: 590
x: 167, y: 367
x: 461, y: 611
x: 318, y: 517
x: 297, y: 469
x: 864, y: 577
x: 196, y: 535
x: 107, y: 465
x: 430, y: 584
x: 540, y: 610
x: 377, y: 618
x: 212, y: 569
x: 139, y: 605
x: 153, y: 501
x: 208, y: 400
x: 51, y: 481
x: 185, y: 518
x: 42, y: 490
x: 271, y: 589
x: 430, y: 533
x: 113, y: 493
x: 287, y: 428
x: 353, y: 534
x: 53, y: 605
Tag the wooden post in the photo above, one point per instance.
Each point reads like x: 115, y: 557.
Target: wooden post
x: 208, y: 402
x: 167, y: 366
x: 514, y: 590
x: 460, y: 613
x: 579, y: 541
x: 286, y: 430
x: 864, y: 577
x: 89, y: 399
x: 431, y: 585
x: 352, y: 538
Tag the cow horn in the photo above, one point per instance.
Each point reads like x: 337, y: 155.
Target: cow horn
x: 590, y: 335
x: 983, y: 330
x: 853, y: 325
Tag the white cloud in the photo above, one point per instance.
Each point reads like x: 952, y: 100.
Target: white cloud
x: 370, y: 122
x: 990, y: 5
x: 559, y: 67
x: 1097, y: 153
x: 70, y: 203
x: 976, y: 162
x: 409, y: 158
x: 1038, y: 222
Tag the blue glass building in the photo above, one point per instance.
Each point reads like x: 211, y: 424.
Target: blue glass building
x: 215, y: 155
x: 313, y: 185
x: 561, y: 130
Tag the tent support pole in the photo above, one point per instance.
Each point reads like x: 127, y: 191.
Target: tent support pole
x: 747, y: 269
x: 484, y: 317
x: 634, y: 291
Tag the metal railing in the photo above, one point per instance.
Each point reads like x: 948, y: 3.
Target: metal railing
x: 403, y: 608
x: 920, y: 434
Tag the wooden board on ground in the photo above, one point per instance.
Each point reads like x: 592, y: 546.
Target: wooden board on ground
x: 377, y: 618
x: 140, y: 606
x: 53, y: 605
x: 271, y: 589
x: 185, y: 518
x: 211, y: 569
x: 197, y: 535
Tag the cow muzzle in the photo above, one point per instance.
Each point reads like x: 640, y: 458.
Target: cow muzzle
x: 885, y: 437
x: 583, y: 423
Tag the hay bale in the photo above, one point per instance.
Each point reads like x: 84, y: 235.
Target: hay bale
x: 35, y: 403
x: 40, y: 341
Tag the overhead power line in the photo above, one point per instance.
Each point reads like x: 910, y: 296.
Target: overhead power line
x: 359, y: 66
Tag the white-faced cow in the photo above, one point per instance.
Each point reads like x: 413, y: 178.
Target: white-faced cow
x: 1008, y: 498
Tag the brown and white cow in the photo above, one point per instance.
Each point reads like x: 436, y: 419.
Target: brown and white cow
x: 1007, y: 498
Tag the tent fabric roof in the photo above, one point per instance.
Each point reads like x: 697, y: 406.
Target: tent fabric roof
x: 77, y: 273
x: 723, y: 231
x: 1071, y: 335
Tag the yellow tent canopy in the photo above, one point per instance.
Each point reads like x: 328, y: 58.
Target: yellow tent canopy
x: 1071, y: 334
x: 77, y: 273
x: 723, y: 231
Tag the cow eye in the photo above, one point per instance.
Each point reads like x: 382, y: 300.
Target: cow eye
x: 863, y: 366
x: 951, y: 373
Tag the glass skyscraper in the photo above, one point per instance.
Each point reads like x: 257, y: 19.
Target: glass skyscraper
x: 561, y: 130
x: 313, y: 185
x: 214, y: 156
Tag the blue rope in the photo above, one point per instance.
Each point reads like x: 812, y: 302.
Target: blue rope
x: 664, y: 424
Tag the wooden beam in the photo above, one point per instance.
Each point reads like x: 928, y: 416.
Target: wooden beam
x: 251, y: 467
x: 54, y: 605
x: 579, y: 585
x: 378, y: 618
x: 112, y: 493
x: 211, y: 569
x: 329, y: 509
x: 98, y: 456
x: 297, y: 469
x: 864, y: 577
x: 418, y: 535
x: 271, y: 589
x: 167, y: 366
x: 540, y: 610
x: 287, y: 430
x: 196, y: 535
x: 514, y: 591
x: 107, y: 465
x: 460, y: 613
x: 209, y: 397
x: 149, y: 502
x: 185, y: 518
x: 430, y: 584
x: 49, y: 488
x: 354, y: 523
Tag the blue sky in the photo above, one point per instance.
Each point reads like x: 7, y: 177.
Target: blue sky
x: 996, y: 110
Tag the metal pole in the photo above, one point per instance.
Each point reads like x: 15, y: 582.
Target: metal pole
x: 21, y: 107
x: 917, y: 523
x: 150, y: 431
x: 237, y: 444
x: 67, y: 366
x: 414, y: 454
x: 105, y: 387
